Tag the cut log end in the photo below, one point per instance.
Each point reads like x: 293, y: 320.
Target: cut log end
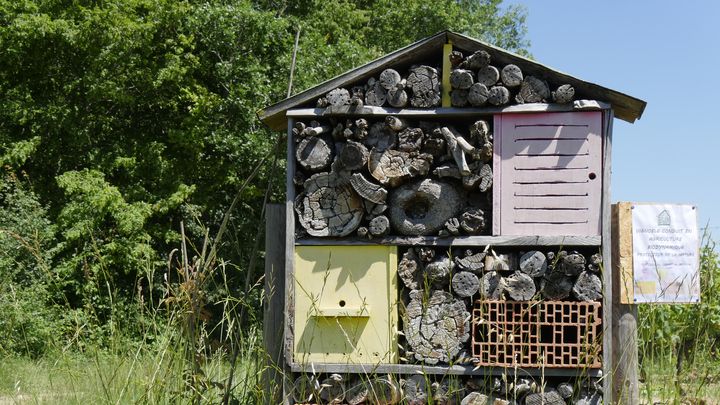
x: 564, y: 94
x: 520, y: 286
x: 511, y: 76
x: 498, y: 95
x: 588, y: 287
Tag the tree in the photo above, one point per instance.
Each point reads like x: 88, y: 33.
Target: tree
x: 129, y: 116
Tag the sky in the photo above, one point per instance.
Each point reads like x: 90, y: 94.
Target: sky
x: 665, y: 53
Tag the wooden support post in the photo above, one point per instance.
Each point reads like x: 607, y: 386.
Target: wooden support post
x: 273, y: 311
x: 446, y: 70
x: 624, y: 334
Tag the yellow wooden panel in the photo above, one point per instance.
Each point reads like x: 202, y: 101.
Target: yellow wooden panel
x: 346, y: 304
x: 446, y: 69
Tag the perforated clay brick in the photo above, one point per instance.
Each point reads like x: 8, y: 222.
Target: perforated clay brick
x: 537, y: 334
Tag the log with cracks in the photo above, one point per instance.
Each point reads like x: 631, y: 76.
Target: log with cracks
x: 424, y: 84
x: 437, y: 331
x: 329, y: 206
x: 393, y: 167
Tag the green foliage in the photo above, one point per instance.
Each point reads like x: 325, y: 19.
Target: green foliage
x: 130, y: 116
x: 679, y: 343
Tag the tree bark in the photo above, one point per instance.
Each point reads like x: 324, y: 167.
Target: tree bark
x: 368, y: 190
x: 477, y: 60
x: 471, y: 262
x: 410, y: 139
x: 544, y: 398
x: 472, y: 221
x: 410, y: 270
x: 533, y: 90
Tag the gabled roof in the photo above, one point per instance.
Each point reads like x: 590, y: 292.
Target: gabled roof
x: 625, y: 107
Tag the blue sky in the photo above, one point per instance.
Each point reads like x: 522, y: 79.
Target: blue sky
x: 665, y: 53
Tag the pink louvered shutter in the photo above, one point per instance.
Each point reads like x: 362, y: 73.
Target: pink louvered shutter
x: 548, y: 169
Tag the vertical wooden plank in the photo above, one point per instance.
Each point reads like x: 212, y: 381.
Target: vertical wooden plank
x: 446, y: 68
x: 623, y: 253
x: 608, y: 363
x: 624, y: 336
x: 289, y: 257
x: 273, y: 314
x: 497, y: 174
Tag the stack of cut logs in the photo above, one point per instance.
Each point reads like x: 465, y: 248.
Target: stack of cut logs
x: 420, y: 389
x: 420, y: 89
x: 373, y: 178
x: 475, y: 82
x: 436, y: 317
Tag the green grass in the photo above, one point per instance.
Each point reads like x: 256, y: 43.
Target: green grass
x: 125, y: 378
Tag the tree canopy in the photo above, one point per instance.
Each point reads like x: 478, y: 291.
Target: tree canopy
x: 121, y: 118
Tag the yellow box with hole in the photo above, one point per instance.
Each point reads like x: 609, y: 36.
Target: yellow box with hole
x: 346, y: 304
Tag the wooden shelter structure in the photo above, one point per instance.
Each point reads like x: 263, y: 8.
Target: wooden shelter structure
x: 448, y: 213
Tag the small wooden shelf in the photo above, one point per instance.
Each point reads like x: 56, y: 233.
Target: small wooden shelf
x: 442, y: 370
x: 458, y: 241
x: 447, y: 112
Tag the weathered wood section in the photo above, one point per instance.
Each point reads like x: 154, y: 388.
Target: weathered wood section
x: 274, y: 303
x: 329, y: 206
x: 625, y: 352
x: 422, y: 207
x: 424, y: 83
x: 520, y: 286
x: 437, y: 330
x: 315, y: 153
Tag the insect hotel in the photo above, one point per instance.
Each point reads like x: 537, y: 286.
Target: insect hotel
x: 447, y: 231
